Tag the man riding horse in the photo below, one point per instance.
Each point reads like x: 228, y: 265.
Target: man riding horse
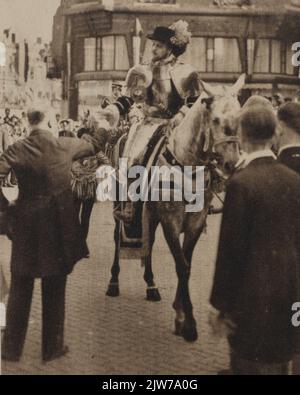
x: 165, y: 89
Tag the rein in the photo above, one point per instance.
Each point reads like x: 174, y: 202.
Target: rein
x: 208, y: 150
x: 172, y: 160
x: 209, y: 163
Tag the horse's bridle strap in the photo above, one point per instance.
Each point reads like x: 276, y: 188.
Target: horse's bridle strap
x: 170, y: 158
x: 227, y: 140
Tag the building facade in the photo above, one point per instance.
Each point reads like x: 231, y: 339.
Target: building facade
x: 23, y: 74
x: 8, y: 67
x: 96, y: 42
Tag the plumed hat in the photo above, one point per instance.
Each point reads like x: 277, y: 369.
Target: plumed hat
x: 177, y: 36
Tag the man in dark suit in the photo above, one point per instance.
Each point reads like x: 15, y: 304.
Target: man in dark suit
x: 66, y: 126
x: 289, y: 155
x: 289, y: 152
x: 257, y: 270
x: 46, y: 236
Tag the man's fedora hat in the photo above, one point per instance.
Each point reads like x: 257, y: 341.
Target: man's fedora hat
x: 162, y: 34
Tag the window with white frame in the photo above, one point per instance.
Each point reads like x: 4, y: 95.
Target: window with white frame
x: 106, y: 54
x: 217, y: 54
x: 227, y: 55
x: 262, y: 57
x: 196, y: 53
x: 89, y: 54
x: 289, y: 68
x: 273, y: 56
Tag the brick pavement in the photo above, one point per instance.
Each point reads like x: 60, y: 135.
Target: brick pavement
x: 126, y: 335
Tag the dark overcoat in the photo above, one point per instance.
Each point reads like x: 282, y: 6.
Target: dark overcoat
x: 257, y: 268
x: 291, y: 158
x: 46, y: 235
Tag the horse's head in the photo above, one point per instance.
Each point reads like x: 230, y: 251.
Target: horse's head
x: 223, y: 107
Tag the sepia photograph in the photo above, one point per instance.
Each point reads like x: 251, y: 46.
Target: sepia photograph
x: 150, y: 190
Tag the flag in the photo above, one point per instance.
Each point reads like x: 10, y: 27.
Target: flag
x: 138, y: 28
x: 26, y: 67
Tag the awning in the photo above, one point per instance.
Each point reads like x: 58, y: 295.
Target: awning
x: 84, y: 8
x: 154, y: 8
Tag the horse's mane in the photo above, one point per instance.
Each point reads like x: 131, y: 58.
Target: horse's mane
x: 186, y: 137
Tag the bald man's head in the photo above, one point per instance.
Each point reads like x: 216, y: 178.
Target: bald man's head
x: 35, y: 116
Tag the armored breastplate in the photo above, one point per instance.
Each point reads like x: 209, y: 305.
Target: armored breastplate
x: 162, y: 93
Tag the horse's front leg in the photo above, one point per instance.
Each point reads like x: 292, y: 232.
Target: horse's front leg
x: 194, y: 227
x: 180, y: 316
x: 153, y: 294
x: 190, y: 241
x: 185, y: 323
x: 113, y: 289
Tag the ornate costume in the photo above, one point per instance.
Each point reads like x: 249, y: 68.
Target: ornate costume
x: 162, y: 89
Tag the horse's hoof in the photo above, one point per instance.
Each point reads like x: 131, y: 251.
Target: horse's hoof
x: 178, y: 328
x: 113, y: 290
x: 190, y: 333
x: 153, y: 295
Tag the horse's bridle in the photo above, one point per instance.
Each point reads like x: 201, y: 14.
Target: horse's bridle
x: 226, y: 140
x: 212, y: 157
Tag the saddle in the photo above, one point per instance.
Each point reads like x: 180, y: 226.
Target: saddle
x: 133, y: 217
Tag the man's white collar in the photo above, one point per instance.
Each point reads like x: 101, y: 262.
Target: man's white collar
x: 246, y: 159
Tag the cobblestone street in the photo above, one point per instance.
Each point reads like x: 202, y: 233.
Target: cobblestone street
x: 126, y: 335
x: 199, y: 97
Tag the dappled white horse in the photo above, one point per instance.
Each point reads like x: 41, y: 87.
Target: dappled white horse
x: 206, y: 137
